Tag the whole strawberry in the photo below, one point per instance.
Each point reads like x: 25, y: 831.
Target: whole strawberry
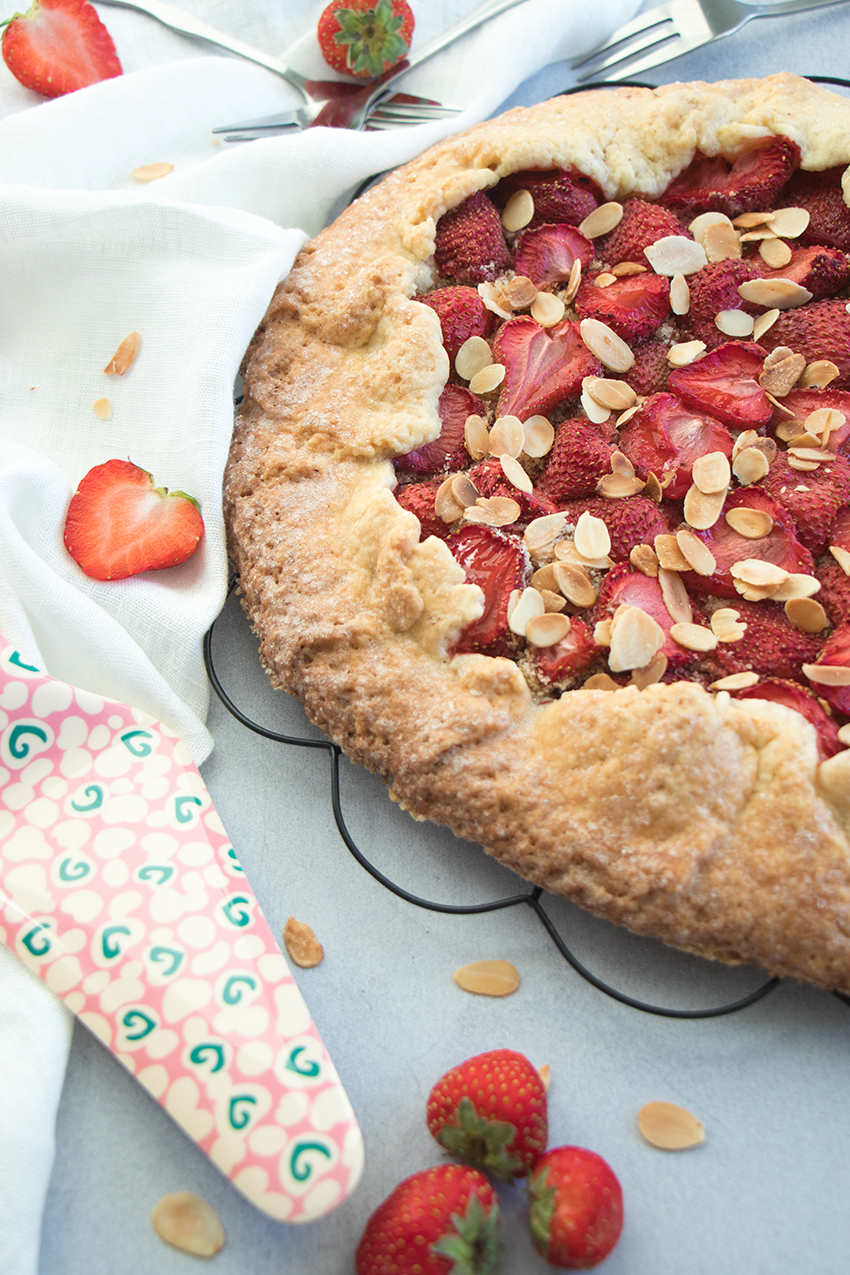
x: 469, y: 245
x: 365, y: 37
x: 491, y: 1111
x: 58, y: 46
x: 576, y: 1208
x: 442, y: 1221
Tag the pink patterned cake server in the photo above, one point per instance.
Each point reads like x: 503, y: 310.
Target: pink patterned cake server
x: 120, y: 889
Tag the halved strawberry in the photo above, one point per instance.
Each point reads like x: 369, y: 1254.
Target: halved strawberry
x: 623, y: 586
x: 641, y: 225
x: 751, y: 181
x: 498, y: 564
x: 543, y: 366
x: 822, y: 271
x: 462, y: 314
x: 803, y: 402
x: 818, y: 330
x: 812, y: 497
x: 580, y: 455
x: 780, y: 546
x: 725, y: 384
x: 119, y: 524
x: 489, y: 479
x: 559, y: 196
x: 666, y: 436
x: 418, y: 498
x: 469, y: 244
x: 574, y: 653
x: 782, y: 691
x: 770, y: 644
x: 834, y: 593
x: 836, y: 652
x: 839, y: 532
x: 633, y: 307
x: 821, y: 195
x: 59, y: 46
x: 447, y: 452
x: 714, y: 288
x: 547, y: 254
x: 651, y: 368
x: 637, y: 520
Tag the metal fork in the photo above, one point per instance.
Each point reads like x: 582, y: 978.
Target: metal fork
x: 317, y: 94
x: 668, y: 31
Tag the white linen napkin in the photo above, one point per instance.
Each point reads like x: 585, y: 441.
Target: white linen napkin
x: 87, y: 255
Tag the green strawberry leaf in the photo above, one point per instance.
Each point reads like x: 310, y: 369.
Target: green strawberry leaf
x: 482, y: 1142
x: 475, y: 1246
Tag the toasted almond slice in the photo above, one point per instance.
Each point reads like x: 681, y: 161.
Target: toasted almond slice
x: 796, y: 585
x: 540, y: 535
x: 670, y: 556
x: 152, y: 172
x: 693, y: 637
x: 783, y: 407
x: 783, y: 375
x: 604, y: 280
x: 552, y: 600
x: 644, y: 559
x: 518, y: 211
x: 698, y: 554
x: 591, y: 538
x: 701, y: 223
x: 600, y: 682
x: 746, y: 438
x: 506, y: 436
x: 620, y: 464
x: 783, y: 294
x: 680, y: 294
x: 519, y: 292
x: 547, y: 309
x: 635, y: 638
x: 753, y: 524
x: 735, y: 682
x: 675, y: 254
x: 751, y: 592
x: 685, y: 352
x: 188, y: 1223
x: 538, y: 435
x: 125, y: 356
x: 818, y: 375
x: 301, y: 944
x: 675, y: 596
x: 811, y: 453
x: 529, y: 603
x: 573, y: 283
x: 795, y: 432
x: 515, y: 474
x: 789, y: 223
x: 712, y: 473
x: 615, y: 395
x: 625, y: 269
x: 734, y: 322
x: 774, y: 253
x: 828, y: 674
x: 602, y: 632
x: 493, y: 511
x: 804, y: 466
x: 547, y: 629
x: 652, y: 673
x: 476, y: 436
x: 575, y: 584
x: 776, y: 355
x: 495, y: 300
x: 669, y: 1127
x: 488, y: 378
x: 747, y: 220
x: 721, y: 241
x: 844, y: 733
x: 446, y: 506
x: 749, y: 466
x: 602, y: 220
x: 842, y: 557
x: 806, y: 614
x: 757, y: 234
x: 593, y: 411
x: 474, y: 355
x: 763, y: 322
x: 824, y: 421
x: 619, y: 486
x: 544, y: 578
x: 610, y: 349
x: 726, y: 625
x: 702, y: 510
x: 102, y: 409
x: 566, y: 551
x: 653, y: 489
x: 487, y: 978
x: 464, y: 490
x: 758, y: 572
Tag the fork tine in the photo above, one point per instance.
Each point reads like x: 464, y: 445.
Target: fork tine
x: 404, y: 113
x: 644, y: 22
x: 674, y: 29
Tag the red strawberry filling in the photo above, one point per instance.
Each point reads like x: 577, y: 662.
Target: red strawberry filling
x: 548, y: 254
x: 632, y: 307
x: 543, y: 366
x: 498, y: 565
x: 666, y: 437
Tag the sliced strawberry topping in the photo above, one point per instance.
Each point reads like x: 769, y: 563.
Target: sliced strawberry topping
x: 634, y: 306
x: 623, y: 586
x: 418, y: 498
x: 566, y: 658
x: 470, y: 246
x: 823, y: 271
x: 803, y: 402
x: 834, y: 595
x: 839, y: 532
x: 770, y: 644
x: 447, y: 452
x: 835, y: 652
x: 641, y: 225
x: 666, y: 436
x: 634, y: 521
x: 812, y: 497
x: 725, y: 384
x: 543, y: 366
x: 558, y: 196
x: 821, y: 194
x: 58, y: 46
x: 548, y: 253
x: 498, y: 564
x: 580, y: 455
x: 793, y: 695
x: 819, y: 330
x: 489, y: 479
x: 714, y: 289
x: 752, y: 181
x: 462, y: 314
x: 780, y: 546
x: 651, y: 368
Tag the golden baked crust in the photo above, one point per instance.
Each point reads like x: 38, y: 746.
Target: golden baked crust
x: 701, y: 820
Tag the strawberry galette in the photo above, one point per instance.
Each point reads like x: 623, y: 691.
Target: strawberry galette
x: 540, y: 501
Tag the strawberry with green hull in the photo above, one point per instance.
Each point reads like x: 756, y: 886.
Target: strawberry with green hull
x: 59, y: 46
x: 576, y: 1209
x: 365, y: 38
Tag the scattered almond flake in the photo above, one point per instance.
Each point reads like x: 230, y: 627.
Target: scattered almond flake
x: 811, y: 453
x: 519, y: 293
x: 653, y: 489
x: 758, y: 572
x: 620, y: 464
x: 680, y: 295
x: 763, y: 322
x: 515, y: 474
x: 472, y: 356
x: 749, y: 219
x: 635, y: 638
x: 552, y: 601
x: 538, y: 435
x: 602, y: 220
x: 487, y: 379
x: 493, y: 511
x: 301, y: 944
x: 783, y: 294
x: 796, y: 585
x: 702, y: 511
x: 547, y: 629
x: 675, y: 596
x: 488, y: 978
x: 721, y: 242
x: 783, y: 407
x: 726, y: 625
x: 774, y: 253
x: 751, y: 592
x: 735, y: 682
x: 789, y: 223
x: 566, y: 551
x: 530, y: 603
x: 476, y: 436
x: 790, y: 432
x: 711, y: 473
x: 544, y: 578
x: 594, y: 411
x: 547, y: 310
x: 806, y: 466
x: 842, y: 557
x: 151, y: 172
x: 806, y: 614
x: 674, y: 254
x: 824, y: 421
x: 188, y: 1223
x: 518, y: 211
x: 604, y: 280
x: 700, y: 224
x: 652, y: 673
x: 753, y: 524
x: 545, y: 1076
x: 734, y: 322
x: 619, y: 486
x: 781, y: 377
x: 828, y: 674
x: 610, y: 349
x: 591, y: 537
x: 685, y: 352
x: 464, y: 490
x: 669, y: 1127
x: 573, y: 283
x: 616, y: 395
x: 776, y: 355
x: 644, y: 559
x: 844, y: 733
x: 818, y: 375
x: 693, y: 637
x: 624, y: 269
x: 602, y: 633
x: 102, y: 409
x: 494, y: 301
x: 513, y: 598
x: 758, y: 234
x: 124, y: 357
x: 698, y: 554
x: 749, y: 466
x: 540, y: 535
x: 669, y: 554
x: 600, y: 682
x: 575, y: 584
x: 506, y: 436
x: 446, y: 506
x: 747, y: 438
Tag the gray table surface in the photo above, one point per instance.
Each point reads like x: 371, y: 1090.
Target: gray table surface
x: 766, y: 1193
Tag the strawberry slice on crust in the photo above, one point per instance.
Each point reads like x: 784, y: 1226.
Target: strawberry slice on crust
x: 418, y: 498
x: 447, y: 452
x: 580, y: 455
x: 752, y: 181
x: 560, y: 662
x: 823, y: 271
x: 469, y: 244
x: 547, y: 254
x: 780, y: 546
x: 498, y: 564
x: 725, y: 384
x: 489, y: 479
x: 770, y: 644
x: 812, y: 498
x: 633, y: 307
x: 623, y: 586
x: 641, y: 225
x: 819, y: 330
x: 821, y: 195
x: 834, y: 595
x: 714, y: 288
x: 792, y: 695
x: 836, y: 652
x: 543, y: 366
x: 462, y: 314
x: 558, y: 195
x: 803, y: 402
x: 637, y: 520
x: 666, y: 436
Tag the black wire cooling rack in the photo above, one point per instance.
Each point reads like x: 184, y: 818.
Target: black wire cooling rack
x: 531, y: 898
